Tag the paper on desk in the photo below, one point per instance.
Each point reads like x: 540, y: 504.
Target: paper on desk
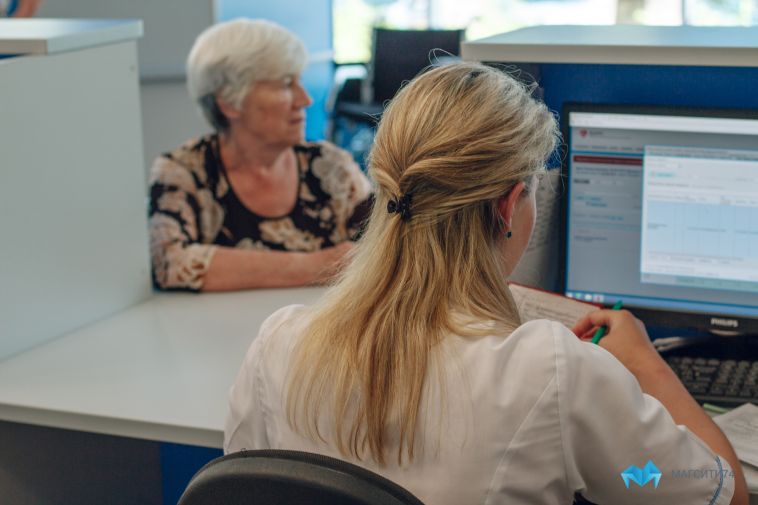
x: 751, y: 478
x: 539, y: 265
x: 536, y: 304
x: 741, y: 428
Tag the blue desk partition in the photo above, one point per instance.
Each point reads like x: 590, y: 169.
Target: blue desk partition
x: 720, y: 87
x: 178, y: 464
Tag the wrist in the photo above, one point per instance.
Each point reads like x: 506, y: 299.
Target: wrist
x: 303, y: 267
x: 646, y: 361
x: 653, y: 371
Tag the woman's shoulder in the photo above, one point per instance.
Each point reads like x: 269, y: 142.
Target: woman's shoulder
x: 284, y: 316
x: 336, y: 171
x: 571, y: 355
x: 279, y: 331
x: 187, y: 162
x: 497, y: 361
x: 536, y: 338
x: 548, y: 347
x: 324, y: 149
x: 324, y: 158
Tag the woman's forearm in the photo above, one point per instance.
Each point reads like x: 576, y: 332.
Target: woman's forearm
x: 660, y: 382
x: 233, y: 269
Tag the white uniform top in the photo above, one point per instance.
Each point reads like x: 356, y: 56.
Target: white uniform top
x: 533, y: 417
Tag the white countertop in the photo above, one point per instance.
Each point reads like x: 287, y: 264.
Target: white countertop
x: 48, y: 36
x: 621, y: 44
x: 159, y: 371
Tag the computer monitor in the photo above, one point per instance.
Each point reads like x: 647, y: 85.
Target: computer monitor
x: 661, y: 212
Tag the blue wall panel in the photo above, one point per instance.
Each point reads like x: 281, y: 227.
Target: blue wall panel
x: 311, y: 20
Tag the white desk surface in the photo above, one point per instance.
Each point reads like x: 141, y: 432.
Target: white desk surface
x: 620, y: 44
x: 47, y: 36
x: 159, y: 371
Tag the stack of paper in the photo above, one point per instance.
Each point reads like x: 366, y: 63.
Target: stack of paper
x: 741, y: 428
x: 533, y: 303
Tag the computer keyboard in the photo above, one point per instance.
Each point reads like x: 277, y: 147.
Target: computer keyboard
x: 726, y: 382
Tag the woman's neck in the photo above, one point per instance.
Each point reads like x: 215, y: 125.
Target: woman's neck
x: 250, y: 155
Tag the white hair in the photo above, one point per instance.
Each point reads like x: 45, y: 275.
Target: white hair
x: 229, y: 57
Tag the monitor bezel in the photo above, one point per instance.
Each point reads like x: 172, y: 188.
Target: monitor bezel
x: 699, y: 322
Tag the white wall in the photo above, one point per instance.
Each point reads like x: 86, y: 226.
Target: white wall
x: 168, y: 117
x: 171, y: 26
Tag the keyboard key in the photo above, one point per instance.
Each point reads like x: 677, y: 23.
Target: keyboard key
x: 727, y: 382
x: 717, y: 391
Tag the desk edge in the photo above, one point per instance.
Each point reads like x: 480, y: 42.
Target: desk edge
x: 113, y: 426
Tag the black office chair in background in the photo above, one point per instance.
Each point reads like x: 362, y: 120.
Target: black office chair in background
x: 397, y: 56
x: 275, y: 477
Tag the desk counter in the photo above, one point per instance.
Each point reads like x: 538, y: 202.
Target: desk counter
x: 160, y: 370
x: 619, y: 44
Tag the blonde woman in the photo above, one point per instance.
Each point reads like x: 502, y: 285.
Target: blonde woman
x: 416, y: 364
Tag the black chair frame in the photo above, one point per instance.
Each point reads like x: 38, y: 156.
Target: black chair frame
x: 279, y: 477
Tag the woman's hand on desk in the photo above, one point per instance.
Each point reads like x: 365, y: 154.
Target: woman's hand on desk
x: 233, y: 268
x: 326, y: 263
x: 625, y: 338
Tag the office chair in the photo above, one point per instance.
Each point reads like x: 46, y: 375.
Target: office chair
x: 397, y: 56
x: 276, y: 477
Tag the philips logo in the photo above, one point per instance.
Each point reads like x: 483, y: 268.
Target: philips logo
x: 642, y: 476
x: 726, y: 323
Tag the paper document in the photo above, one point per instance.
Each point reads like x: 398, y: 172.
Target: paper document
x: 751, y: 477
x: 539, y: 265
x: 537, y: 304
x: 741, y: 428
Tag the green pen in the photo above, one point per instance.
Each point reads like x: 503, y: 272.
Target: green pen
x: 600, y: 333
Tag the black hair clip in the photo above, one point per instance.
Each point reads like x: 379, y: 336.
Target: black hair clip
x: 402, y: 206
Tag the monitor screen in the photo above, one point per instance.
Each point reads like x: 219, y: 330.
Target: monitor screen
x: 662, y: 212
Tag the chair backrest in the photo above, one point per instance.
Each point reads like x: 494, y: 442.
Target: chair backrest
x: 274, y: 477
x: 398, y: 55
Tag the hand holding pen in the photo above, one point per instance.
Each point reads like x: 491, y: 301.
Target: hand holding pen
x: 600, y: 333
x: 624, y: 336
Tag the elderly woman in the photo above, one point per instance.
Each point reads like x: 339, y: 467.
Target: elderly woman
x: 252, y: 205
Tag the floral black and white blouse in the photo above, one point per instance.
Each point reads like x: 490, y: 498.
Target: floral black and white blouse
x: 193, y: 209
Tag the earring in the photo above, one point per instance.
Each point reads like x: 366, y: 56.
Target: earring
x: 508, y: 234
